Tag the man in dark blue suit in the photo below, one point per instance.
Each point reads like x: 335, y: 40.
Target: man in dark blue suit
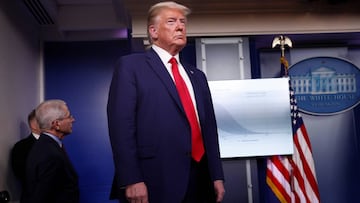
x: 50, y: 176
x: 21, y: 149
x: 150, y: 132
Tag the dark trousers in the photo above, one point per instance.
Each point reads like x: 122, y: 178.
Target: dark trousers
x: 200, y: 188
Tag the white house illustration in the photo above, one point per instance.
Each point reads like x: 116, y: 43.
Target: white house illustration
x: 323, y: 81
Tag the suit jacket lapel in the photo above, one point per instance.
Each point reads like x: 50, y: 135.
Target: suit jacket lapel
x: 195, y: 81
x: 63, y: 153
x: 159, y: 68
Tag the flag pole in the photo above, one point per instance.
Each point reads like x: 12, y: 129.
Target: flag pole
x: 248, y: 181
x: 282, y: 41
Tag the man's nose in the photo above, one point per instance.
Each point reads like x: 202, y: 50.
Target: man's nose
x: 180, y: 25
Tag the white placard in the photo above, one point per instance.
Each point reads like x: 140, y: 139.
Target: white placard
x: 253, y: 117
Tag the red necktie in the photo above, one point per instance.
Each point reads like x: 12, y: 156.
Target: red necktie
x: 197, y: 146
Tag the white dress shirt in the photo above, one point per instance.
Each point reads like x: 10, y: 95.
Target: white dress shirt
x: 165, y: 57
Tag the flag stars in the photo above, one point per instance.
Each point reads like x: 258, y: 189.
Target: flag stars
x: 294, y: 121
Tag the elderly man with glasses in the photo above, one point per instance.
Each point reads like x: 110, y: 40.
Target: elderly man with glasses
x: 50, y: 174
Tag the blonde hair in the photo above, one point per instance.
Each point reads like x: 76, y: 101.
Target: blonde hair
x: 156, y: 9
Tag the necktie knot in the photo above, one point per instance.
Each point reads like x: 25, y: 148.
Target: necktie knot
x: 173, y: 60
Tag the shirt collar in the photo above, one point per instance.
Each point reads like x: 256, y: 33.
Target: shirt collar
x: 164, y: 55
x: 54, y: 138
x: 36, y: 135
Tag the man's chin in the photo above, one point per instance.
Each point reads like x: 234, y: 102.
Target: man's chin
x: 180, y: 39
x: 181, y: 43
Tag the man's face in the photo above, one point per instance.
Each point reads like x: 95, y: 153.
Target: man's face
x: 169, y: 30
x: 65, y: 124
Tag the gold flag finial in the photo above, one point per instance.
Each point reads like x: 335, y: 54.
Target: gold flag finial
x: 282, y: 41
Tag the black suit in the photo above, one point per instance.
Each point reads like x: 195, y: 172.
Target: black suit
x: 51, y: 177
x: 19, y: 155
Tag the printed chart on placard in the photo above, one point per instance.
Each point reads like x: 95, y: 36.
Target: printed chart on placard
x: 253, y: 117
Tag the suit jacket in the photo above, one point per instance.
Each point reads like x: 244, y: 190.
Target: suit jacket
x: 50, y: 175
x: 149, y: 132
x: 19, y: 154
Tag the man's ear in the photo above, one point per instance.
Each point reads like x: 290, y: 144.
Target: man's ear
x: 153, y: 31
x: 55, y: 124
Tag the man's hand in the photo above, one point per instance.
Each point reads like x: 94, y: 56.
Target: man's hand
x: 137, y: 193
x: 219, y: 190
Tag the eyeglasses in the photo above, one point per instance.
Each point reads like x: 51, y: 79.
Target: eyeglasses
x: 68, y: 117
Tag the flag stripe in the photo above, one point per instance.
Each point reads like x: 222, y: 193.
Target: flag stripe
x: 278, y: 178
x: 307, y: 164
x: 278, y: 193
x: 298, y: 196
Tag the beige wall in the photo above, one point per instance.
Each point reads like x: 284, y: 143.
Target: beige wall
x: 20, y: 85
x: 263, y: 23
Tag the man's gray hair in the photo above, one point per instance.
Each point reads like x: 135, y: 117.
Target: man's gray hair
x: 156, y: 9
x: 49, y: 111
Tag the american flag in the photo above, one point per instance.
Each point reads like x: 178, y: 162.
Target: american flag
x: 292, y: 178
